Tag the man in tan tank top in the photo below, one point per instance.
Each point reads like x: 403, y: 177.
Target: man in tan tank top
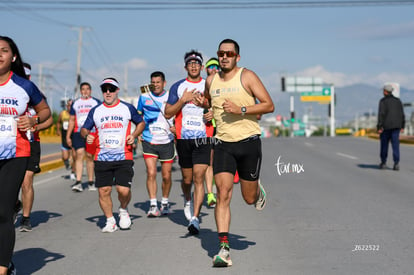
x: 232, y: 94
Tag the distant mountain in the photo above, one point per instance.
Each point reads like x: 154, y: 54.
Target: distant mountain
x: 350, y: 100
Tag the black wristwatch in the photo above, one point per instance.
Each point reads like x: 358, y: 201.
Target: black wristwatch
x: 243, y: 110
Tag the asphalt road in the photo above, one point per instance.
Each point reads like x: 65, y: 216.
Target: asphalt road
x: 329, y: 211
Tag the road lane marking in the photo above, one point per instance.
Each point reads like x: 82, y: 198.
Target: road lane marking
x: 47, y: 180
x: 346, y: 156
x: 309, y: 144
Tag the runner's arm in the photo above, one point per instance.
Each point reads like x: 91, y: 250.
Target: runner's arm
x: 255, y: 87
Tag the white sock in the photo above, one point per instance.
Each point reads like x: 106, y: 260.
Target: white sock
x: 164, y: 200
x: 153, y: 202
x: 111, y: 220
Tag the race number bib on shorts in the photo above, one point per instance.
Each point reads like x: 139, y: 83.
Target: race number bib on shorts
x: 194, y: 123
x: 8, y: 127
x: 112, y: 141
x: 65, y: 125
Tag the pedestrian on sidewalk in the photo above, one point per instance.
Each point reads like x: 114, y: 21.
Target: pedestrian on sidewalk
x: 391, y: 121
x: 113, y: 158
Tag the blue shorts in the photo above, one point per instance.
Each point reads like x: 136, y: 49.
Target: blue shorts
x: 78, y: 141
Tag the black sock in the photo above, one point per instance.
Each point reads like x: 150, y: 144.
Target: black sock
x: 224, y: 239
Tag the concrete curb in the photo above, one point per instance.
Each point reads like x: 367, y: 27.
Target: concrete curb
x: 404, y: 140
x: 51, y: 165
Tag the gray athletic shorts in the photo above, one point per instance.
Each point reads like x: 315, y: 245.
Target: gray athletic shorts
x: 164, y: 152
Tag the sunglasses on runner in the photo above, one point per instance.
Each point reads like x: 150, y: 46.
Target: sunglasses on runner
x: 212, y: 67
x: 228, y: 53
x: 110, y: 88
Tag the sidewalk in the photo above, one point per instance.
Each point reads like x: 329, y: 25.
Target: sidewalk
x: 50, y: 161
x: 403, y: 138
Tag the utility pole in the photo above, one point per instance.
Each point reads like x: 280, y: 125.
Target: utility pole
x: 332, y: 128
x: 126, y: 80
x: 79, y: 56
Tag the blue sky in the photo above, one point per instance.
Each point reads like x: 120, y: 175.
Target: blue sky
x: 343, y: 45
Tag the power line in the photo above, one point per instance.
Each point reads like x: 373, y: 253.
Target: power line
x: 198, y: 5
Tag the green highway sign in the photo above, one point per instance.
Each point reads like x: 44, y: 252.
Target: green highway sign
x: 326, y: 91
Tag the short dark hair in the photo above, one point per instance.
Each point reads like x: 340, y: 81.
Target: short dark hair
x: 17, y: 65
x: 193, y: 52
x: 158, y: 74
x: 85, y: 83
x: 231, y: 41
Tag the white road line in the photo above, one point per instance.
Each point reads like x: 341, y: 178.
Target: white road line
x: 46, y: 180
x: 346, y: 156
x: 309, y: 144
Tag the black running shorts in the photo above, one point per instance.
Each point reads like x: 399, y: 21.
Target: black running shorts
x: 193, y: 151
x: 108, y: 173
x: 34, y: 159
x: 245, y: 156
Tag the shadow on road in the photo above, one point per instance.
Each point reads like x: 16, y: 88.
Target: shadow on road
x: 209, y: 241
x: 30, y: 260
x: 101, y: 219
x: 368, y: 166
x: 144, y: 206
x: 38, y: 217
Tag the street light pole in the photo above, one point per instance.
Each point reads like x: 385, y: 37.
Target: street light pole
x: 332, y: 111
x: 79, y: 56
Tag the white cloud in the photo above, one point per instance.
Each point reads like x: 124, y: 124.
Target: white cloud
x: 337, y: 78
x: 137, y: 64
x: 340, y: 79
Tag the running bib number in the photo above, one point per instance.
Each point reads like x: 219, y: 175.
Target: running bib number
x: 65, y: 125
x: 157, y: 129
x: 112, y: 141
x: 193, y: 123
x: 8, y: 127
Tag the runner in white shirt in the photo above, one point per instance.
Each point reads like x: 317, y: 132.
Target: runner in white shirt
x: 78, y: 113
x: 16, y: 94
x: 113, y: 158
x: 193, y: 146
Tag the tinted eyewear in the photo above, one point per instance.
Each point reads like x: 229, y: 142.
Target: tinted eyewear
x: 213, y: 67
x: 109, y: 88
x: 228, y: 53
